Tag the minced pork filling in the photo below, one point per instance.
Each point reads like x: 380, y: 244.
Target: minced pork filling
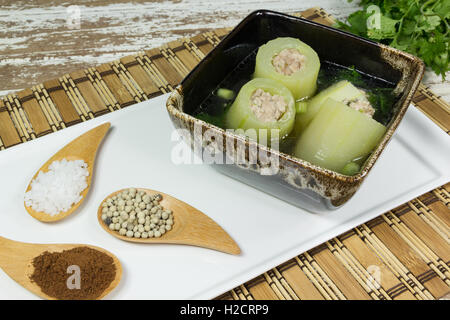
x: 267, y: 107
x: 288, y: 61
x: 361, y: 104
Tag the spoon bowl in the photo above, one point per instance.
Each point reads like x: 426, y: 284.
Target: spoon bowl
x: 191, y: 226
x: 16, y: 259
x: 82, y: 148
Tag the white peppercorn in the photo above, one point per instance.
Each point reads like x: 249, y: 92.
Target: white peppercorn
x: 146, y: 198
x: 141, y: 215
x: 136, y: 214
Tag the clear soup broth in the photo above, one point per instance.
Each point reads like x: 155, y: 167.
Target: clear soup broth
x: 379, y: 92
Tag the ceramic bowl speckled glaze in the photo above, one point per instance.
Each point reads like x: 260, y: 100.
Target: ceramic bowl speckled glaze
x: 296, y: 181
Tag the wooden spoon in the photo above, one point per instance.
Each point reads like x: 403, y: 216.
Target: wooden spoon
x: 82, y: 148
x: 16, y: 260
x: 191, y: 226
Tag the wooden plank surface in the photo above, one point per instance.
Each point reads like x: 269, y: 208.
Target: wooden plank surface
x: 40, y: 40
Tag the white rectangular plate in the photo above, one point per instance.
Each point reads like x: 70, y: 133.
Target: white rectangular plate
x: 137, y: 152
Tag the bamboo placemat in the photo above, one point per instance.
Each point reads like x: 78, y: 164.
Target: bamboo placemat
x: 402, y: 254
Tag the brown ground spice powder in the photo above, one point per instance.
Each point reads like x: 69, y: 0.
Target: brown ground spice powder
x: 97, y: 271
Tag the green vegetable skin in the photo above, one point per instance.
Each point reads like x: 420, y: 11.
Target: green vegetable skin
x: 240, y: 116
x: 302, y: 83
x: 301, y: 106
x: 339, y: 91
x: 337, y: 135
x: 350, y: 169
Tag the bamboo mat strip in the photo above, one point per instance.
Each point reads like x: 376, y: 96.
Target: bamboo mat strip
x: 402, y: 254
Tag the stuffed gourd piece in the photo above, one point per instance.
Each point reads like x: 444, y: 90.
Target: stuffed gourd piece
x: 291, y: 62
x: 338, y: 135
x: 262, y: 104
x: 340, y: 91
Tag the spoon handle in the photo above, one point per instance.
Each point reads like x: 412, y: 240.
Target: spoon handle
x: 12, y: 251
x: 4, y: 242
x: 6, y: 250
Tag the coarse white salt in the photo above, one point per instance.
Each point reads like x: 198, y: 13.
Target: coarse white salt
x: 59, y: 188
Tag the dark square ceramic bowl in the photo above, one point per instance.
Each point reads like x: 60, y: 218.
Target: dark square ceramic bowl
x: 297, y: 181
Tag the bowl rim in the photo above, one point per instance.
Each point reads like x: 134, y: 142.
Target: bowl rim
x: 369, y: 163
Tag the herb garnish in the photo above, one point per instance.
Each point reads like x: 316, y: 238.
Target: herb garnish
x: 420, y: 27
x: 214, y: 120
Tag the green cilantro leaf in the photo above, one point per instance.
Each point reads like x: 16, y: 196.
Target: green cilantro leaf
x: 385, y: 30
x: 420, y: 27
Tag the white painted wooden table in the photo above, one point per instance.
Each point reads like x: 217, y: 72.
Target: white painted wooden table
x: 41, y: 40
